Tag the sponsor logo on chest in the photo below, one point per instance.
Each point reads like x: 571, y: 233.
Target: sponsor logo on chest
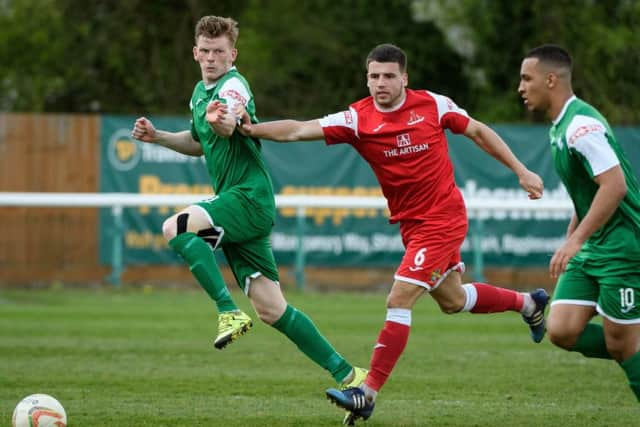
x: 403, y: 140
x: 404, y: 146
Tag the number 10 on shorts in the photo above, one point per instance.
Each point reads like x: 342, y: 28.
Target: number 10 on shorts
x: 627, y: 299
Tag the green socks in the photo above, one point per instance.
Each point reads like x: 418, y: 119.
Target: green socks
x: 293, y: 323
x: 591, y: 342
x: 631, y: 367
x: 301, y: 330
x: 202, y: 263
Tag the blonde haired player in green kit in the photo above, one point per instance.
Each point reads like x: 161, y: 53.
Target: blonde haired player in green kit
x: 599, y: 264
x: 239, y: 218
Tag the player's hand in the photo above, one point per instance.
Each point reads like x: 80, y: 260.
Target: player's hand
x: 144, y: 130
x: 532, y: 184
x: 561, y: 258
x: 216, y: 113
x: 244, y: 120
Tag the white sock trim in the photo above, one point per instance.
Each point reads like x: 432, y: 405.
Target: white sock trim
x: 369, y: 393
x: 399, y: 315
x: 472, y: 296
x: 528, y: 305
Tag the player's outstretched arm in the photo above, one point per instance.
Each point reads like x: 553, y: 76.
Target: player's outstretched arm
x: 281, y: 130
x: 487, y: 139
x: 286, y: 130
x: 144, y: 130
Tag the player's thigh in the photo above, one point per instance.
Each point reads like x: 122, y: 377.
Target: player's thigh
x: 573, y: 304
x: 238, y: 219
x: 450, y: 295
x: 251, y: 259
x: 566, y: 322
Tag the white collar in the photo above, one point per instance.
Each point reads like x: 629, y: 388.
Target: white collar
x: 212, y: 85
x: 564, y: 109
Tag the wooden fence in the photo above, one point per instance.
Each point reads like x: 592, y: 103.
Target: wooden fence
x: 52, y: 152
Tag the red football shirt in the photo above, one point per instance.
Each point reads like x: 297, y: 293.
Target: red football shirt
x: 407, y: 150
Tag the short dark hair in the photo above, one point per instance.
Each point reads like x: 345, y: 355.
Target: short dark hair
x: 551, y: 54
x: 212, y: 27
x: 388, y: 53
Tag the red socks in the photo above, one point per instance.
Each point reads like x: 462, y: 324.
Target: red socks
x: 481, y: 298
x: 491, y: 299
x: 390, y: 345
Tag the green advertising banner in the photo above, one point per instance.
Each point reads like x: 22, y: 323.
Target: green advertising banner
x: 131, y: 166
x: 333, y: 237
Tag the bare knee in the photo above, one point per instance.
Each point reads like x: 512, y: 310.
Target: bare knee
x: 617, y: 349
x: 566, y: 322
x: 400, y: 300
x: 562, y: 339
x: 451, y: 306
x: 395, y: 301
x: 451, y: 302
x: 169, y: 230
x: 622, y: 341
x: 189, y: 220
x: 450, y: 294
x: 267, y: 299
x: 269, y: 314
x: 562, y: 335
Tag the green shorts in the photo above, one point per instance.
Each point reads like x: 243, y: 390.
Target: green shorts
x: 614, y: 297
x: 246, y: 230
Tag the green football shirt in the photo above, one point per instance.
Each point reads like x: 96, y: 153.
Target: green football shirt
x: 583, y: 146
x: 234, y: 162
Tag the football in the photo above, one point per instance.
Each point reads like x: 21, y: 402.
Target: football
x: 39, y: 410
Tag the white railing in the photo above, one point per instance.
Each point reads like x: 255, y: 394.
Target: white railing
x: 478, y: 209
x: 488, y: 207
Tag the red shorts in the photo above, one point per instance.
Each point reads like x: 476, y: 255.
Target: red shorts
x: 431, y: 253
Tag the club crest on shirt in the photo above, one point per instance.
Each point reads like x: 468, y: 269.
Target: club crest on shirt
x: 557, y: 141
x: 435, y: 275
x: 414, y: 118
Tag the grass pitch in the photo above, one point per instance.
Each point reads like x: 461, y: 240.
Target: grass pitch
x: 131, y: 358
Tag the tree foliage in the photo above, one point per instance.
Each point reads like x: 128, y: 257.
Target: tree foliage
x: 103, y: 56
x: 315, y: 64
x: 306, y: 59
x: 602, y: 37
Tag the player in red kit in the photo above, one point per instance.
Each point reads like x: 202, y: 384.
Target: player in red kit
x: 401, y: 134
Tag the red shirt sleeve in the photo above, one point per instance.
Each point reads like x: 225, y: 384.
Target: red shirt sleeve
x: 340, y: 128
x: 450, y: 115
x: 454, y: 121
